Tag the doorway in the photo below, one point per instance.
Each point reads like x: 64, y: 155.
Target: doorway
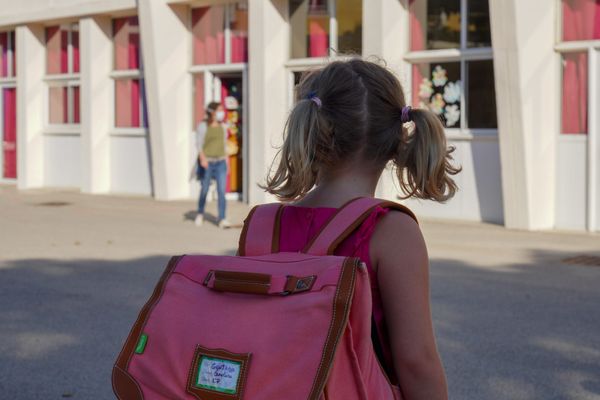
x: 8, y: 131
x: 229, y: 89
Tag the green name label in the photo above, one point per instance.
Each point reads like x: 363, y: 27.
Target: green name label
x: 141, y: 345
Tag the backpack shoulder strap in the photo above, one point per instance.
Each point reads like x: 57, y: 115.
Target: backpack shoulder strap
x: 260, y: 234
x: 345, y: 221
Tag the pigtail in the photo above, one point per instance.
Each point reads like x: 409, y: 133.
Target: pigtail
x: 296, y: 173
x: 423, y: 159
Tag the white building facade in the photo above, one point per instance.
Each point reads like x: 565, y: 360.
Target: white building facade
x: 104, y: 95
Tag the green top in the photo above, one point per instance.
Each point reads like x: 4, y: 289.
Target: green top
x: 214, y: 142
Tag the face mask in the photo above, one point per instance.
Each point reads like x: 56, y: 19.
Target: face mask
x: 220, y: 115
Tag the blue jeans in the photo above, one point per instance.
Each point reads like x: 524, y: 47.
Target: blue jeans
x: 216, y: 170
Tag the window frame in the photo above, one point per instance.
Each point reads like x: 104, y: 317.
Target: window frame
x: 463, y: 55
x: 123, y: 75
x: 69, y: 80
x: 11, y: 73
x: 332, y: 52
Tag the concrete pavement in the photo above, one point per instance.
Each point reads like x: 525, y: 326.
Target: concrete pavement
x: 513, y: 321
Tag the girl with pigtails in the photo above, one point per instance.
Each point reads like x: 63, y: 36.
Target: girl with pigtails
x: 349, y: 122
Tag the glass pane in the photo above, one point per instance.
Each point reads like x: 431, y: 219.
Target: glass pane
x: 239, y: 32
x: 128, y: 106
x: 9, y: 132
x: 199, y: 99
x: 208, y: 30
x: 581, y: 19
x: 574, y: 93
x: 126, y: 38
x: 58, y: 105
x: 309, y: 21
x: 75, y: 97
x: 75, y: 47
x: 349, y: 21
x: 478, y: 27
x: 481, y: 95
x: 438, y: 87
x: 434, y: 24
x: 4, y: 54
x: 56, y: 48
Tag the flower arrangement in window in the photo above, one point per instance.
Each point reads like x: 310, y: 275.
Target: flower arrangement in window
x: 441, y: 96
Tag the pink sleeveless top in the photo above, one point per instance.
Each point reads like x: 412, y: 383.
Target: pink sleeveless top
x: 305, y: 222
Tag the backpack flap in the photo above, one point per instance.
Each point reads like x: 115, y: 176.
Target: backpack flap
x: 222, y: 327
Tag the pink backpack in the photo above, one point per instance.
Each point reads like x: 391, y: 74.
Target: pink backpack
x: 262, y: 325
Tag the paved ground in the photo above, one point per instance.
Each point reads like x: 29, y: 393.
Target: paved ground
x: 513, y: 322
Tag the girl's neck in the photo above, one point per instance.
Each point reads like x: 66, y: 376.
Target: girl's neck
x: 337, y: 189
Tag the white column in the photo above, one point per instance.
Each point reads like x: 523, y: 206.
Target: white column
x: 31, y: 105
x: 97, y: 104
x: 269, y: 37
x: 166, y: 52
x: 385, y: 35
x: 527, y: 79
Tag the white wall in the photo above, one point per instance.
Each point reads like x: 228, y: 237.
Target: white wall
x: 62, y: 161
x: 129, y: 165
x: 268, y: 87
x: 28, y: 11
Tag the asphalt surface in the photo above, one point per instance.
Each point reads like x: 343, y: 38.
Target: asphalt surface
x: 512, y: 320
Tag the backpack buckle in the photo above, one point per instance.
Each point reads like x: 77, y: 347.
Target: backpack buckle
x: 298, y: 284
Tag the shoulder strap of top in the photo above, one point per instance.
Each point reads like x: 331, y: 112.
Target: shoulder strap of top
x: 345, y: 221
x: 260, y: 234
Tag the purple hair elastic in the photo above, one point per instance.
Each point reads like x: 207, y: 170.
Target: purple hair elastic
x: 405, y: 117
x: 312, y: 96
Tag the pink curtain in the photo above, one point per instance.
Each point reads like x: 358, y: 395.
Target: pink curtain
x: 76, y: 115
x: 581, y: 19
x: 198, y: 99
x: 417, y: 36
x: 239, y: 36
x: 208, y: 30
x: 4, y: 54
x: 127, y: 43
x: 75, y: 46
x: 10, y: 132
x: 574, y: 93
x: 14, y: 53
x: 417, y: 78
x: 58, y: 105
x: 318, y: 37
x: 127, y: 103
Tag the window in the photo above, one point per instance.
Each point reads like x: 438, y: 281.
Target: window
x: 453, y: 72
x: 130, y: 107
x: 320, y: 28
x: 7, y: 55
x: 574, y: 93
x: 581, y: 20
x: 62, y: 68
x: 220, y: 34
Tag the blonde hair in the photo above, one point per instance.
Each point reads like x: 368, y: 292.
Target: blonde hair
x: 359, y: 117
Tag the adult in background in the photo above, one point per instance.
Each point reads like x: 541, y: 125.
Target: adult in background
x: 211, y: 142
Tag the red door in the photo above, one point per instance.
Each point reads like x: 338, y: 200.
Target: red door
x: 9, y: 132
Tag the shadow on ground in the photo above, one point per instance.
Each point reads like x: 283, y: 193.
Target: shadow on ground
x: 513, y: 332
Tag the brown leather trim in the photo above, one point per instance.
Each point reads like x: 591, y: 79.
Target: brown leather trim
x: 124, y: 358
x: 341, y: 310
x: 205, y: 394
x: 240, y: 282
x: 124, y: 386
x: 242, y: 241
x: 277, y: 230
